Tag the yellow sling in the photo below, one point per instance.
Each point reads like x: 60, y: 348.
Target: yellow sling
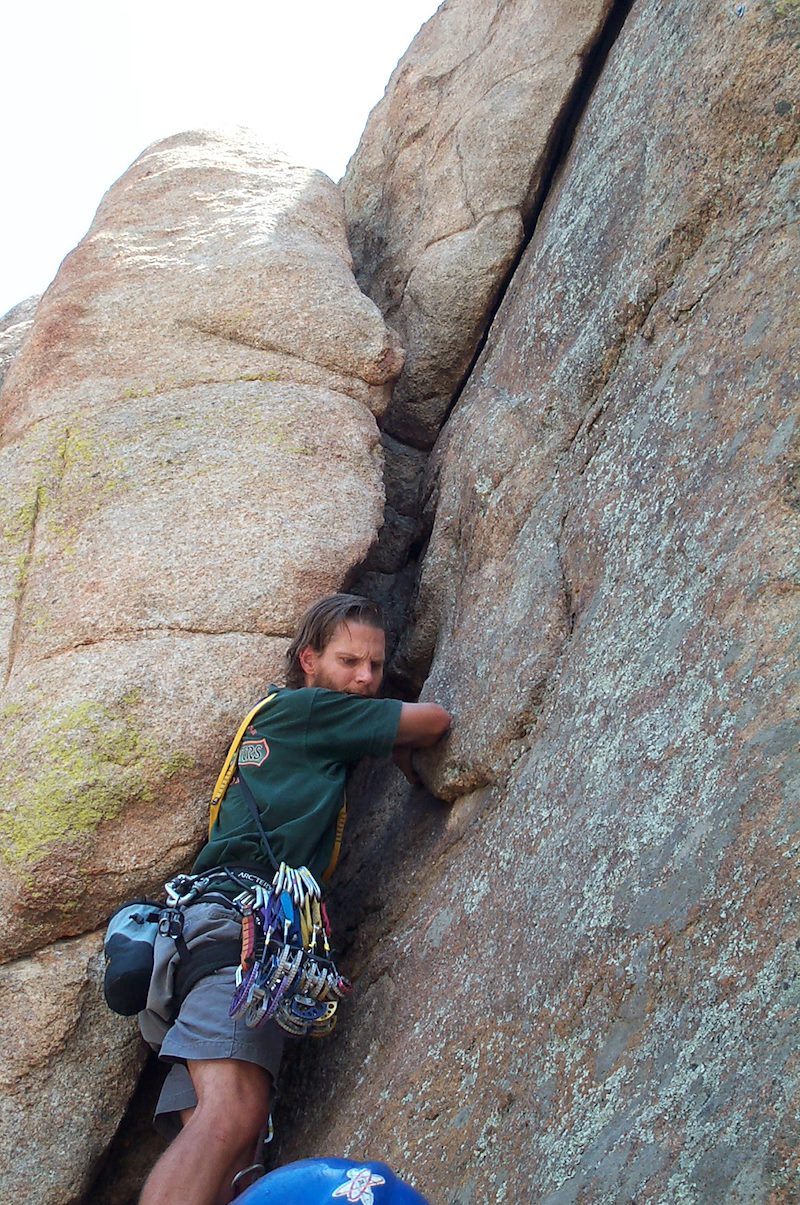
x: 230, y: 764
x: 229, y: 767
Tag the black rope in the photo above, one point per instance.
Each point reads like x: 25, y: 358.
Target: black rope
x: 253, y: 806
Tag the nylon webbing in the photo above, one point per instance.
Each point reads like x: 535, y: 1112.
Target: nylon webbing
x: 229, y: 766
x: 253, y: 806
x: 195, y: 964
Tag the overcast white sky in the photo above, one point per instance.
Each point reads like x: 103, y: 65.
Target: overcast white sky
x: 86, y: 85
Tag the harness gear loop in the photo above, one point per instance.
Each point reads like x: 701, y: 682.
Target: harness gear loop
x: 288, y: 979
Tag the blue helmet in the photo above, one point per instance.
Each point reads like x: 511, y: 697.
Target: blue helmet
x: 331, y: 1182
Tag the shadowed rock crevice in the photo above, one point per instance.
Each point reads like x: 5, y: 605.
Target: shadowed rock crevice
x: 135, y: 1147
x: 397, y: 539
x: 511, y: 75
x: 553, y: 158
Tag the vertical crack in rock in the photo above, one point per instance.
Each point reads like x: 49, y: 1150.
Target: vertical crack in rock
x: 464, y: 187
x: 566, y: 584
x: 554, y: 156
x: 26, y: 559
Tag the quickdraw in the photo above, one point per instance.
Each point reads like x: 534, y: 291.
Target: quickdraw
x: 288, y: 975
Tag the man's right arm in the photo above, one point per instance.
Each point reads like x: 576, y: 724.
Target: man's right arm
x: 421, y: 725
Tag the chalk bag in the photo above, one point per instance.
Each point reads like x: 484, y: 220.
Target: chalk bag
x: 128, y: 950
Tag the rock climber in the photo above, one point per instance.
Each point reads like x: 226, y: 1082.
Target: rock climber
x: 294, y: 758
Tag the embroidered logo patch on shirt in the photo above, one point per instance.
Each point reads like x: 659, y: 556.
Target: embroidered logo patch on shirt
x: 253, y: 753
x: 362, y: 1182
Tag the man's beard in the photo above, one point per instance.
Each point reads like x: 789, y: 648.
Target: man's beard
x: 321, y: 679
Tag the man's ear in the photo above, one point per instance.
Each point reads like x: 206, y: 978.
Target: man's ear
x: 307, y: 659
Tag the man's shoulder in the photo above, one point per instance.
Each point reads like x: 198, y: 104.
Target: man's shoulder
x: 288, y: 701
x: 322, y: 708
x: 332, y: 723
x: 303, y: 700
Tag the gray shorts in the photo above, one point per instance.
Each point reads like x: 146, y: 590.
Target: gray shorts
x: 203, y: 1029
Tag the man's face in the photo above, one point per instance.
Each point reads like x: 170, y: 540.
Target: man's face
x: 351, y: 662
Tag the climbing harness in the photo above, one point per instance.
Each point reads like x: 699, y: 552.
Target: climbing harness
x: 285, y: 969
x: 132, y: 932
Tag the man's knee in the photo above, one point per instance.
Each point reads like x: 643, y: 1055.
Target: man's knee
x: 236, y: 1094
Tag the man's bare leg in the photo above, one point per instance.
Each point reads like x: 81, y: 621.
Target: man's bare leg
x: 217, y: 1141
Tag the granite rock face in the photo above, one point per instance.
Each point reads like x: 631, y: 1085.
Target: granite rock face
x: 69, y: 1067
x: 578, y: 984
x: 189, y: 455
x: 449, y: 171
x: 14, y: 326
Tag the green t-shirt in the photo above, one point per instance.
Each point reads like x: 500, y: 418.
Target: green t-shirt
x: 295, y: 757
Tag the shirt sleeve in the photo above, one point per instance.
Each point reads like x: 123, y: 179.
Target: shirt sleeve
x: 345, y: 728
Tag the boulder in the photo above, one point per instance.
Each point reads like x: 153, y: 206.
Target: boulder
x: 578, y: 985
x: 448, y: 174
x: 189, y: 456
x: 69, y: 1067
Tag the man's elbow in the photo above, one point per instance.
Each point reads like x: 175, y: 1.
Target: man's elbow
x: 422, y: 725
x: 441, y: 721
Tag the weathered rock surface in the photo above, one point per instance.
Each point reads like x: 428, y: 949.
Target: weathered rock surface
x: 188, y: 457
x: 65, y: 1051
x: 135, y: 1148
x: 448, y: 172
x: 578, y: 986
x: 14, y: 326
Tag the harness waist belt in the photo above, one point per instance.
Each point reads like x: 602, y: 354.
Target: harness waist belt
x: 195, y: 964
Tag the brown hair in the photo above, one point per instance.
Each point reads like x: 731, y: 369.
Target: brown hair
x: 319, y: 623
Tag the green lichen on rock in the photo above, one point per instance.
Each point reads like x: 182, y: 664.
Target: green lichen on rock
x: 88, y: 475
x: 16, y: 528
x: 22, y: 567
x: 49, y: 506
x: 787, y: 13
x: 68, y: 771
